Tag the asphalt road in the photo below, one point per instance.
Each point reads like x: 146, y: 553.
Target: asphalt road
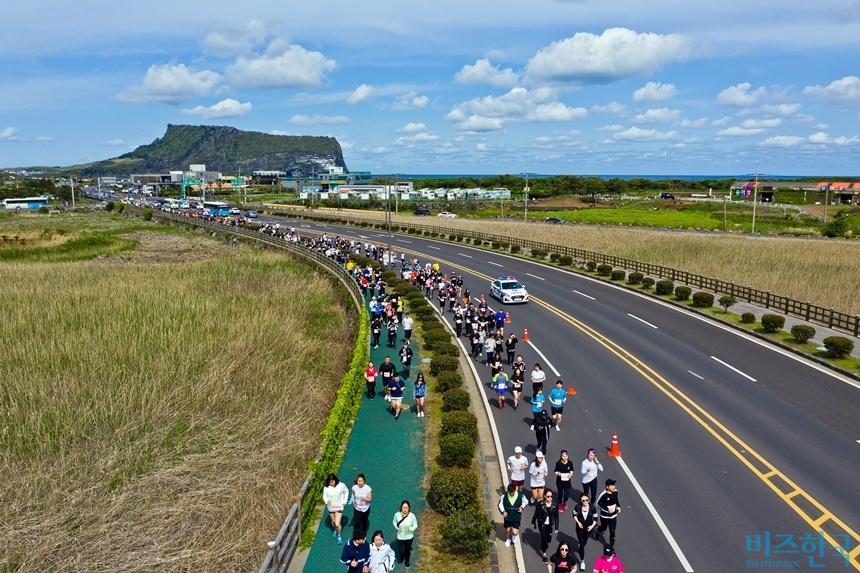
x: 728, y: 439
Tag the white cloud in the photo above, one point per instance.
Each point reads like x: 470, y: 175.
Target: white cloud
x: 483, y: 72
x: 283, y: 65
x: 819, y: 137
x: 701, y: 122
x: 613, y: 107
x: 637, y: 134
x: 379, y: 150
x: 782, y: 141
x: 318, y: 119
x: 721, y: 122
x: 519, y: 104
x: 346, y: 145
x: 842, y: 140
x: 761, y: 123
x: 117, y: 142
x: 171, y: 83
x: 481, y: 147
x: 479, y: 124
x: 236, y: 40
x: 661, y: 115
x: 224, y: 108
x: 740, y: 95
x: 412, y: 127
x: 360, y: 94
x: 422, y: 137
x: 846, y: 90
x: 616, y: 54
x: 9, y: 134
x: 610, y: 128
x: 410, y: 100
x: 655, y: 91
x: 781, y: 109
x: 739, y: 131
x: 44, y: 139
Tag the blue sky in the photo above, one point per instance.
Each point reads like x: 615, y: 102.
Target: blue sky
x: 547, y: 86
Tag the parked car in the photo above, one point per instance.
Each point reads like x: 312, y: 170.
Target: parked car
x: 447, y: 215
x: 555, y: 221
x: 251, y: 214
x: 667, y: 196
x: 421, y: 212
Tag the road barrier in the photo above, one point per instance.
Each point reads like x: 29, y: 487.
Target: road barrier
x: 809, y: 312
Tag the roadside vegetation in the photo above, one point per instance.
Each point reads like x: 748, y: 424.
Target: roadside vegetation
x: 156, y: 416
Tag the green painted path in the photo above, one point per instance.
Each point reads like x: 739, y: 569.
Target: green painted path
x: 391, y: 455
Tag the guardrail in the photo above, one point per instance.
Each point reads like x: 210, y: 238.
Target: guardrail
x: 828, y: 317
x: 283, y: 548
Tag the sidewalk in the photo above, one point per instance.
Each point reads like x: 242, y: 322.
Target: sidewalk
x: 391, y: 455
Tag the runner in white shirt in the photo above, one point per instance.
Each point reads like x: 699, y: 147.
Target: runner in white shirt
x: 538, y: 471
x: 517, y: 465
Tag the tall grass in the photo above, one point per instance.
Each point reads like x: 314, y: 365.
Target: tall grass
x: 160, y: 417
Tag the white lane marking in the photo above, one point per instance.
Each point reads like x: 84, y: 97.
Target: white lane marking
x: 666, y: 533
x: 642, y: 321
x: 730, y: 367
x: 585, y: 295
x: 537, y: 277
x: 465, y: 255
x: 402, y: 241
x: 497, y: 264
x: 696, y: 375
x: 363, y: 236
x: 547, y: 362
x: 306, y: 226
x: 432, y: 247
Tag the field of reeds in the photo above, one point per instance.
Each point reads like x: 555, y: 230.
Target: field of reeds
x: 820, y: 271
x: 158, y: 416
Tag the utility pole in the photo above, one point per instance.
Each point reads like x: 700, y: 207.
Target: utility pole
x: 526, y: 205
x: 73, y: 194
x: 755, y: 194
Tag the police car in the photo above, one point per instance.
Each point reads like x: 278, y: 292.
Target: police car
x: 508, y: 290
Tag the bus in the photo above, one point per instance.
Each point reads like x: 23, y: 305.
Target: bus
x: 216, y: 208
x: 25, y: 203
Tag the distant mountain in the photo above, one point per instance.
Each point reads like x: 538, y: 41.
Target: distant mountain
x: 221, y: 148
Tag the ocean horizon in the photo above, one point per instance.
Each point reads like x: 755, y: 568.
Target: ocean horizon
x: 743, y: 177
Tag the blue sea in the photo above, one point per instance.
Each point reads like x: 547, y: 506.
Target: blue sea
x: 744, y: 177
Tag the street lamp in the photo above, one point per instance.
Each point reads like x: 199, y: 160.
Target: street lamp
x: 755, y: 194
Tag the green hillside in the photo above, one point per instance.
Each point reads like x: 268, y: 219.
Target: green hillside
x: 220, y: 148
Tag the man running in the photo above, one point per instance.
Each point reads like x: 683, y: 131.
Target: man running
x: 557, y: 398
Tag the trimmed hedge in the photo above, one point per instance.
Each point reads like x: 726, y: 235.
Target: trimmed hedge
x: 802, y: 332
x: 456, y: 450
x: 703, y: 300
x: 618, y: 275
x: 459, y: 423
x: 647, y: 282
x: 748, y: 318
x: 515, y: 249
x: 664, y: 287
x: 452, y: 489
x: 604, y: 270
x: 635, y: 278
x: 455, y: 400
x: 434, y: 337
x: 683, y: 292
x: 443, y: 364
x: 590, y: 266
x: 466, y: 533
x: 838, y: 346
x: 772, y: 322
x: 446, y: 349
x: 554, y: 257
x: 448, y: 380
x: 565, y: 260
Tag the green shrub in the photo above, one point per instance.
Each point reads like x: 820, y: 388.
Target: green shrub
x: 120, y: 208
x: 535, y: 253
x: 772, y: 322
x: 726, y: 302
x: 565, y: 260
x: 802, y: 332
x: 434, y: 337
x: 838, y: 346
x: 456, y: 450
x: 448, y: 380
x: 110, y: 206
x: 665, y: 287
x: 683, y: 292
x: 604, y: 270
x: 505, y: 246
x: 466, y: 533
x: 703, y: 300
x: 554, y: 257
x: 146, y: 214
x: 456, y: 399
x: 635, y: 278
x: 515, y: 249
x: 459, y: 423
x: 429, y: 325
x: 477, y: 242
x: 453, y: 237
x: 748, y: 318
x: 591, y: 266
x: 453, y: 489
x: 496, y: 245
x: 647, y: 282
x: 617, y: 275
x: 443, y: 364
x: 446, y: 349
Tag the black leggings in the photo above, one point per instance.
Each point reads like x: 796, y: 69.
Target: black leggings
x: 360, y: 520
x: 610, y: 523
x: 545, y: 537
x: 582, y: 538
x: 563, y: 491
x: 590, y: 489
x: 404, y: 550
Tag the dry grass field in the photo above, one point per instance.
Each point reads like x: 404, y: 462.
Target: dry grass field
x: 823, y: 272
x: 158, y: 416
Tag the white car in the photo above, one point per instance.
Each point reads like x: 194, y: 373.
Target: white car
x: 235, y: 211
x: 508, y: 290
x: 447, y: 215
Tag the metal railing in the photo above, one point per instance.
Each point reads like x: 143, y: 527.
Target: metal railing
x: 283, y: 548
x: 828, y: 317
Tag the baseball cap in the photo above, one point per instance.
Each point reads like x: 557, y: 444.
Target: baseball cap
x: 607, y: 550
x: 610, y: 482
x: 538, y: 454
x: 518, y: 450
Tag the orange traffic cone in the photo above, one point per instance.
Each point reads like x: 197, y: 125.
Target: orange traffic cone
x: 507, y: 318
x: 613, y: 450
x: 525, y: 335
x: 571, y: 391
